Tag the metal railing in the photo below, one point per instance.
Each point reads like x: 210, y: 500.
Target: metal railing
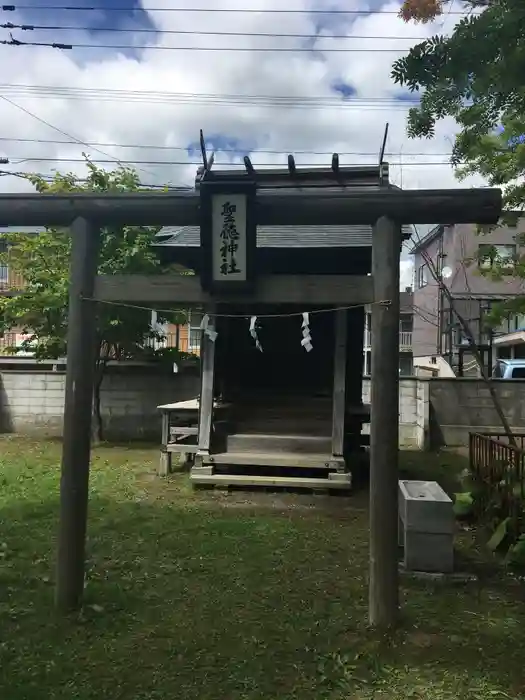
x: 9, y: 279
x: 170, y: 340
x: 7, y: 340
x: 182, y: 338
x: 498, y: 468
x: 405, y: 339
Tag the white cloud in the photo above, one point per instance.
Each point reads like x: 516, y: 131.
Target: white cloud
x: 174, y: 123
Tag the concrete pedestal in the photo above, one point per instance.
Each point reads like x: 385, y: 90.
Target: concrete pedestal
x: 426, y: 527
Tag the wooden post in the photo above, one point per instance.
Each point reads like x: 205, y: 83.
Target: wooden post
x: 165, y: 455
x: 384, y: 429
x: 354, y: 379
x: 339, y: 393
x: 207, y: 385
x: 81, y: 337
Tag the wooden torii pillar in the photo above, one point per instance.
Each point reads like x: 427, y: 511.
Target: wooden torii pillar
x: 383, y: 600
x: 87, y: 212
x: 76, y: 445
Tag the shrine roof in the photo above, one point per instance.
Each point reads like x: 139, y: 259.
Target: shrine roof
x: 363, y: 178
x: 281, y: 236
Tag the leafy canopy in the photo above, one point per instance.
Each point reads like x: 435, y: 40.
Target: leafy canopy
x: 41, y: 262
x: 476, y: 76
x: 427, y: 10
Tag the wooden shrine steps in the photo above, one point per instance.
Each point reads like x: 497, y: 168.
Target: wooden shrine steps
x: 247, y: 441
x: 282, y: 442
x: 274, y: 459
x: 272, y: 468
x: 292, y: 482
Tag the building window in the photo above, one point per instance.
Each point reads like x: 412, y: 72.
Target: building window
x: 406, y: 322
x: 406, y: 364
x: 511, y: 324
x: 368, y: 330
x: 502, y: 257
x: 519, y: 322
x: 194, y: 332
x: 3, y: 266
x: 422, y: 276
x: 462, y: 338
x: 440, y: 263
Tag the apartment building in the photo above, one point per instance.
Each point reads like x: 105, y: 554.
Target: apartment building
x: 8, y: 282
x: 460, y: 257
x: 405, y: 335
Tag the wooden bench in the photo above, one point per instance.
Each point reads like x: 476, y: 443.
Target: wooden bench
x: 180, y: 432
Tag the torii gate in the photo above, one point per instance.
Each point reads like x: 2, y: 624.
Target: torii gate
x: 385, y: 209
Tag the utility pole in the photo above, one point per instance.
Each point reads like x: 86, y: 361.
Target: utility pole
x: 384, y: 428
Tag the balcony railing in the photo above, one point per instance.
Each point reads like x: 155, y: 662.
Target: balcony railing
x: 9, y: 279
x: 183, y: 340
x: 405, y: 339
x: 7, y: 340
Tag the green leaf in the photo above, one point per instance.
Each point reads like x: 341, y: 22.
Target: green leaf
x: 463, y: 504
x: 518, y: 491
x: 498, y: 535
x: 474, y: 75
x: 516, y: 553
x: 42, y: 261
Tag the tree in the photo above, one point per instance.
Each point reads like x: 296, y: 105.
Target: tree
x: 475, y: 76
x: 40, y: 306
x: 427, y: 10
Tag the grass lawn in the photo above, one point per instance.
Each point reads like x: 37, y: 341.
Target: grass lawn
x: 198, y: 596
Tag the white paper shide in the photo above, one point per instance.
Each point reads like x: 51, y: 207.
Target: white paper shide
x: 229, y: 237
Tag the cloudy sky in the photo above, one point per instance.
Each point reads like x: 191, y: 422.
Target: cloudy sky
x: 142, y: 80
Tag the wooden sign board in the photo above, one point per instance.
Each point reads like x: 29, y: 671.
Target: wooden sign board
x: 228, y: 236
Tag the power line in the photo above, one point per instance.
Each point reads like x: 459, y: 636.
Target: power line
x: 60, y: 131
x: 25, y: 159
x: 55, y: 128
x: 233, y: 10
x: 156, y: 94
x: 228, y: 49
x: 195, y: 32
x: 216, y: 99
x: 65, y: 133
x: 222, y: 150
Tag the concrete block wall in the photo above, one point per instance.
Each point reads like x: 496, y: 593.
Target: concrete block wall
x: 461, y: 405
x: 129, y: 402
x: 432, y: 412
x: 423, y: 414
x: 409, y: 428
x: 33, y: 402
